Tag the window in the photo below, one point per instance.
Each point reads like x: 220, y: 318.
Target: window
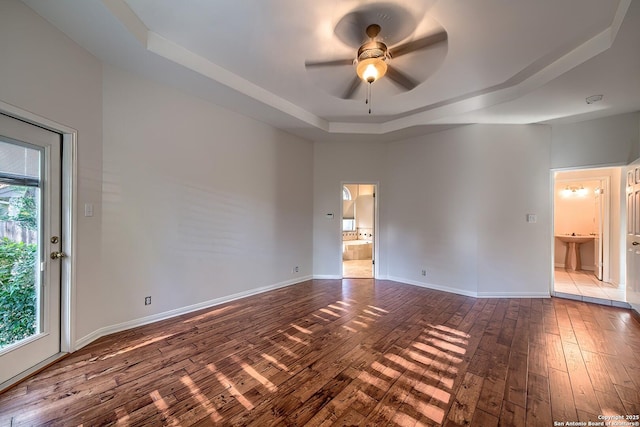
x: 346, y: 194
x: 348, y: 224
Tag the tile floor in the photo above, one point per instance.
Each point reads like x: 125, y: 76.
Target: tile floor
x: 361, y: 269
x: 584, y: 285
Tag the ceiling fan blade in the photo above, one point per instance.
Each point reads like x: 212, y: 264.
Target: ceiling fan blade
x: 401, y: 78
x: 352, y: 88
x: 346, y: 61
x: 422, y: 43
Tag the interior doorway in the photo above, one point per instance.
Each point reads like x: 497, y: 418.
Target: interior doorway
x: 586, y: 235
x: 358, y: 230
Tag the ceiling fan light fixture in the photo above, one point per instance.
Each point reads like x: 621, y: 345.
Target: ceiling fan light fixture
x: 371, y: 69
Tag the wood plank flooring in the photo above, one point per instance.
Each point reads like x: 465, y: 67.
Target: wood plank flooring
x: 352, y: 352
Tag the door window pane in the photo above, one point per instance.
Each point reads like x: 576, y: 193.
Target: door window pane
x: 19, y: 235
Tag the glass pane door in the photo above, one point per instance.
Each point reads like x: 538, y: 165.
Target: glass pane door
x: 29, y: 220
x: 20, y: 195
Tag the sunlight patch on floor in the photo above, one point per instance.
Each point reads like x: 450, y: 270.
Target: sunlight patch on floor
x: 131, y: 348
x: 382, y: 310
x: 329, y: 312
x: 201, y: 398
x: 214, y: 312
x: 256, y: 375
x: 230, y: 386
x: 283, y: 348
x: 294, y: 338
x: 324, y: 319
x: 426, y: 370
x: 301, y: 329
x: 275, y: 362
x: 163, y: 407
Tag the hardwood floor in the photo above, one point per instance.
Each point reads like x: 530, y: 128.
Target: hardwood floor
x: 353, y: 352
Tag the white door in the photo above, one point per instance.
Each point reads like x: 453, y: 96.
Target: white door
x: 599, y: 225
x: 30, y: 257
x: 633, y: 236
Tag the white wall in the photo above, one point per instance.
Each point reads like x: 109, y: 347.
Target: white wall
x: 453, y: 203
x: 45, y: 73
x: 459, y: 200
x: 199, y: 203
x: 600, y: 142
x: 336, y: 163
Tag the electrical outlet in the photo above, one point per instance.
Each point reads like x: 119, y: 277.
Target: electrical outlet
x: 147, y: 300
x: 424, y: 272
x: 296, y: 269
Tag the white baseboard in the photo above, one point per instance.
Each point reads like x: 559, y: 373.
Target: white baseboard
x: 432, y: 286
x: 327, y: 276
x: 514, y: 294
x: 107, y: 330
x: 471, y: 293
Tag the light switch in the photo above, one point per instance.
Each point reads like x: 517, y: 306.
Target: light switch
x: 532, y: 218
x: 88, y: 209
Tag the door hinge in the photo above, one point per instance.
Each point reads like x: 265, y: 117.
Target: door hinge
x: 373, y: 261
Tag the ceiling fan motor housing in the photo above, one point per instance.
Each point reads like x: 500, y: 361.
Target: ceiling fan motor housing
x: 372, y: 49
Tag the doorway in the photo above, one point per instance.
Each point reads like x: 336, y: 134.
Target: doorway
x: 358, y: 230
x: 30, y: 246
x: 586, y: 235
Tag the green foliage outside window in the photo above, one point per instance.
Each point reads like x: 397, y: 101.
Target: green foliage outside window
x: 22, y: 208
x: 17, y: 291
x: 17, y: 272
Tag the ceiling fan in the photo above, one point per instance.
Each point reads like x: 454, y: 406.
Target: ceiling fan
x: 373, y: 60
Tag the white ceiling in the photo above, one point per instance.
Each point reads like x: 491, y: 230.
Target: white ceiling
x: 515, y: 61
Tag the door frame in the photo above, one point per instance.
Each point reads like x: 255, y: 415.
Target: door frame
x: 606, y: 240
x: 606, y: 217
x: 68, y: 230
x: 376, y: 225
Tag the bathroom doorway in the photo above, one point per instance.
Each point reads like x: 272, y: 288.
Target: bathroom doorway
x: 587, y: 233
x: 358, y: 230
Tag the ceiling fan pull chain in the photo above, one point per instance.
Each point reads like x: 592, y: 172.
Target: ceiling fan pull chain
x: 369, y: 97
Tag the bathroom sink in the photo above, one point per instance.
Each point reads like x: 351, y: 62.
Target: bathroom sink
x: 575, y: 239
x: 572, y: 258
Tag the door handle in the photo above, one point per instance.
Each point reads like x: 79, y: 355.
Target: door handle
x: 58, y: 255
x: 635, y: 243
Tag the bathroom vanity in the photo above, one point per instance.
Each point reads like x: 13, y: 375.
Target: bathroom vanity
x: 573, y: 242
